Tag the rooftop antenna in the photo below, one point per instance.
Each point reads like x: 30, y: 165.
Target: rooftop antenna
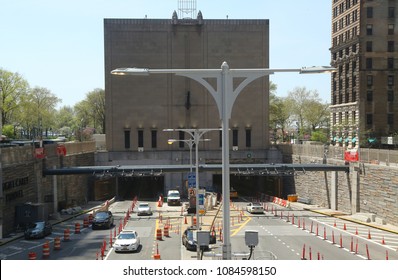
x: 187, y: 9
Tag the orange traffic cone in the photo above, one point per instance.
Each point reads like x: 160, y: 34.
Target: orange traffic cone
x: 157, y: 255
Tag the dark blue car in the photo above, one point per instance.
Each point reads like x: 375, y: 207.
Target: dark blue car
x: 38, y: 230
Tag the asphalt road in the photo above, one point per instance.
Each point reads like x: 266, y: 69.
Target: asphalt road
x: 284, y: 234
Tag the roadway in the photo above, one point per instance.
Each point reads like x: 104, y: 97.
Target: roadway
x: 284, y: 234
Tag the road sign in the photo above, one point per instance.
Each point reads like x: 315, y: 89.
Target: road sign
x: 191, y: 179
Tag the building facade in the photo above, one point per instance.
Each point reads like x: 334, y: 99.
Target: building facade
x: 364, y: 106
x: 139, y: 108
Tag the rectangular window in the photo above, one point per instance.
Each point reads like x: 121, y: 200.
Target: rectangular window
x: 369, y: 80
x: 391, y: 29
x: 390, y: 80
x: 248, y: 138
x: 369, y: 63
x: 369, y: 119
x: 390, y: 95
x: 127, y: 139
x: 369, y: 12
x: 369, y: 46
x: 235, y: 137
x: 390, y: 63
x: 181, y: 137
x: 391, y: 12
x: 390, y: 46
x: 220, y: 138
x: 390, y: 119
x: 154, y: 139
x: 369, y: 96
x: 369, y: 29
x: 140, y: 138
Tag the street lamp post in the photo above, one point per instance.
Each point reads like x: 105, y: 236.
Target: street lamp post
x: 224, y: 95
x: 190, y: 143
x: 196, y: 135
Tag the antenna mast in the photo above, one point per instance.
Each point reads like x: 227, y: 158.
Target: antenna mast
x: 186, y: 9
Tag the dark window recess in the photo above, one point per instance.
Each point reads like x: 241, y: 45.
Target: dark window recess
x: 235, y: 137
x: 127, y: 139
x: 154, y: 139
x: 181, y: 135
x: 140, y: 138
x: 248, y: 138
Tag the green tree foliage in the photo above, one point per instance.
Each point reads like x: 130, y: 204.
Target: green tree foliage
x: 91, y: 111
x: 38, y: 112
x: 279, y: 114
x: 13, y: 87
x: 308, y: 109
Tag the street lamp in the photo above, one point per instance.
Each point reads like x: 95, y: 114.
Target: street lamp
x: 224, y: 95
x: 190, y: 143
x: 196, y: 135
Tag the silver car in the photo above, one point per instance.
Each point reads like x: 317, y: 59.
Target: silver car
x: 255, y: 207
x: 144, y: 209
x: 127, y: 241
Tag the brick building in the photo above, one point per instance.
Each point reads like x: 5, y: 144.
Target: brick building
x: 364, y: 89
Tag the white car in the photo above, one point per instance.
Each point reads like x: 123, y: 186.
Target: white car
x: 144, y: 209
x: 127, y: 241
x: 255, y: 207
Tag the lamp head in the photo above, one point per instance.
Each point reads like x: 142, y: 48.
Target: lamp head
x: 130, y: 71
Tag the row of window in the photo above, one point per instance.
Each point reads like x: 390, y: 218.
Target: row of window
x: 390, y: 80
x: 390, y: 12
x: 390, y: 63
x: 390, y: 46
x: 346, y: 52
x: 369, y: 119
x: 344, y: 5
x: 390, y: 29
x: 345, y: 21
x: 181, y: 136
x: 390, y: 95
x: 346, y: 117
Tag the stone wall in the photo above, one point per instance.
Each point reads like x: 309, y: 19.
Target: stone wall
x: 23, y: 182
x: 378, y: 188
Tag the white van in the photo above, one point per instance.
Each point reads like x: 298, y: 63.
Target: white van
x: 173, y: 198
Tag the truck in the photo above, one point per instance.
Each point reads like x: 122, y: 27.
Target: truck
x: 173, y: 198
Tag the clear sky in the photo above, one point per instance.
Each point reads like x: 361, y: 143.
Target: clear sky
x: 59, y: 44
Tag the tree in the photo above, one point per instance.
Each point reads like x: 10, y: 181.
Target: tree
x: 318, y: 114
x: 304, y: 104
x: 91, y: 111
x: 39, y: 110
x: 64, y: 121
x: 279, y: 114
x: 13, y: 87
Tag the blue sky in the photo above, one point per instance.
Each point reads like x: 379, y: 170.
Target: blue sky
x: 59, y: 44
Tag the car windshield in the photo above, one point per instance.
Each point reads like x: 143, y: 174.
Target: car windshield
x: 174, y: 195
x: 129, y: 235
x: 256, y: 204
x: 101, y: 215
x: 37, y: 225
x: 143, y: 205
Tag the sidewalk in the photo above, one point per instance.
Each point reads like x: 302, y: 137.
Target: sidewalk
x: 359, y: 218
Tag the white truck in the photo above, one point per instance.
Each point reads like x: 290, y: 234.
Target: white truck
x: 173, y: 198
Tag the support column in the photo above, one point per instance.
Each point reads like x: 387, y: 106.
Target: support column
x: 355, y: 198
x: 334, y: 190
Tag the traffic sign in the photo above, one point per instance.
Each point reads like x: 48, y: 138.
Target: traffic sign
x: 191, y: 179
